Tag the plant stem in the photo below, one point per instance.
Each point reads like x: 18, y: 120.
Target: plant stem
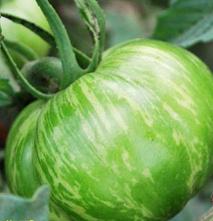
x: 94, y: 18
x: 92, y: 15
x: 21, y: 49
x: 45, y: 35
x: 17, y: 74
x: 71, y: 68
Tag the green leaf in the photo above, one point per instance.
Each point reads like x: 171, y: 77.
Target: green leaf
x: 16, y: 208
x: 186, y: 22
x: 6, y: 93
x: 173, y: 1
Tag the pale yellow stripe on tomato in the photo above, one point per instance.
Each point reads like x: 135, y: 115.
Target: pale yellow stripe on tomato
x: 179, y: 138
x: 79, y: 210
x: 135, y: 101
x: 99, y: 120
x: 129, y: 202
x: 95, y: 144
x: 172, y: 113
x: 121, y: 122
x: 74, y: 190
x: 115, y: 168
x: 103, y: 119
x: 126, y: 160
x: 198, y: 164
x: 156, y: 56
x: 147, y: 174
x: 104, y: 202
x: 98, y: 107
x: 18, y: 139
x: 185, y: 99
x: 174, y: 63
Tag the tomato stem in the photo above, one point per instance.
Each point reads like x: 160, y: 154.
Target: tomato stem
x: 94, y: 19
x: 21, y: 49
x: 71, y: 68
x: 45, y: 35
x: 17, y: 74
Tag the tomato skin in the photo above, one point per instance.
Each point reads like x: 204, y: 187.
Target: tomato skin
x: 14, y: 32
x: 21, y: 145
x: 22, y: 148
x: 132, y: 141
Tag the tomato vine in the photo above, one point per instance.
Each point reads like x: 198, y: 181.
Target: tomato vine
x: 43, y: 34
x: 94, y: 19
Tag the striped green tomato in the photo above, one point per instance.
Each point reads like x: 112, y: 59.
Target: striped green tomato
x: 132, y: 141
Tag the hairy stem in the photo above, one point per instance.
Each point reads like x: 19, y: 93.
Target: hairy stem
x: 45, y: 35
x: 94, y: 19
x: 21, y: 49
x: 71, y: 68
x: 17, y: 74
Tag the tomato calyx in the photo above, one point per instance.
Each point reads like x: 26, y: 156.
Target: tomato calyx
x: 71, y: 58
x: 46, y: 74
x: 94, y: 19
x: 17, y: 73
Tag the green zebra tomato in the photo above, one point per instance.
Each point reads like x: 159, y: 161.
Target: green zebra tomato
x: 131, y: 141
x: 14, y: 32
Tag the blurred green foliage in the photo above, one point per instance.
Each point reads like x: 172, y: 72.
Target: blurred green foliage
x: 122, y: 27
x: 25, y: 209
x: 186, y: 22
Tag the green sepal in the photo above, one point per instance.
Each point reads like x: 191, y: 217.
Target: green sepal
x: 94, y: 18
